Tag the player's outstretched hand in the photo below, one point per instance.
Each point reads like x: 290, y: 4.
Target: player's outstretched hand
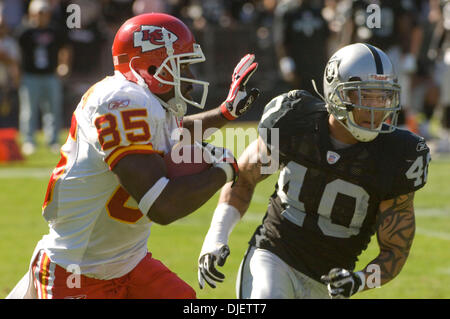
x: 207, y: 263
x: 238, y: 100
x: 342, y: 283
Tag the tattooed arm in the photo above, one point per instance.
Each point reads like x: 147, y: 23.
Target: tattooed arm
x: 395, y: 234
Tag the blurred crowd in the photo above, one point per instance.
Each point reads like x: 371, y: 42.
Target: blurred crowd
x: 47, y: 61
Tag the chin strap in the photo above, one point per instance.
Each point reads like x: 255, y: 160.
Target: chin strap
x: 175, y: 105
x: 140, y: 80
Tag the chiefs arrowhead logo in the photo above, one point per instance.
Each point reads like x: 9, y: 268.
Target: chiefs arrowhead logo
x: 153, y: 37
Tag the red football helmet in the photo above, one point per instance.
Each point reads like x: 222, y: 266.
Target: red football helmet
x: 149, y: 48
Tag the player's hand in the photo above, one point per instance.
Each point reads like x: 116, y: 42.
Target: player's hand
x: 342, y: 283
x: 222, y: 158
x: 238, y: 100
x: 210, y: 257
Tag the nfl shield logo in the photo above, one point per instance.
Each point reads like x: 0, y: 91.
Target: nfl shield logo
x: 332, y: 157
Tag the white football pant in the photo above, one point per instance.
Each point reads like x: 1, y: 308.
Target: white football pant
x: 263, y: 275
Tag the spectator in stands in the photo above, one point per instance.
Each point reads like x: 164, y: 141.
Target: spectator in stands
x: 115, y: 12
x: 440, y: 50
x: 44, y: 52
x: 269, y: 78
x: 9, y: 82
x: 337, y: 14
x: 12, y: 11
x: 145, y: 6
x: 9, y: 71
x: 425, y: 90
x: 399, y: 34
x: 301, y: 38
x: 89, y: 45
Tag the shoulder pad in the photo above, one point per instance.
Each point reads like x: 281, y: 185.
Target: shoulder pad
x: 406, y: 142
x: 114, y: 95
x: 411, y: 159
x: 294, y: 106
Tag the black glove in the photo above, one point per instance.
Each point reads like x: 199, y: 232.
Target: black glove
x: 342, y: 283
x: 207, y: 266
x: 238, y: 100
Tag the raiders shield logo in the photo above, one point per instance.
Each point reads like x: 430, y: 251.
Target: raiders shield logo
x: 152, y: 37
x: 331, y: 72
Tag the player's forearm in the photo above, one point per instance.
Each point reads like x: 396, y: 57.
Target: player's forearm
x: 238, y: 196
x: 211, y: 119
x: 395, y: 234
x: 385, y: 267
x: 250, y: 166
x: 184, y: 195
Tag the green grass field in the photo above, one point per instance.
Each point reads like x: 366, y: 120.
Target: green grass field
x: 23, y: 186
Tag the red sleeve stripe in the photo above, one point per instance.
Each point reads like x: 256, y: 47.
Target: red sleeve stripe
x: 121, y: 152
x: 73, y: 127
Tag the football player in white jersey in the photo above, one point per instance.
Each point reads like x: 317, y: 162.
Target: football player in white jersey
x: 111, y: 184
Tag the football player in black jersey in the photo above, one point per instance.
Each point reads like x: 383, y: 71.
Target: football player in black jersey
x: 346, y: 173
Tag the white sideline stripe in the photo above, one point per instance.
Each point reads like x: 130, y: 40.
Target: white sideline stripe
x: 260, y: 199
x: 432, y: 212
x: 38, y: 173
x: 25, y: 173
x: 254, y: 216
x: 433, y: 233
x: 445, y: 271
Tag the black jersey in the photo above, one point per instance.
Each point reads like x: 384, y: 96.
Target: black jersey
x: 40, y: 47
x: 323, y: 211
x: 297, y: 26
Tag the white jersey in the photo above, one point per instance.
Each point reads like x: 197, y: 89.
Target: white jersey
x: 94, y: 223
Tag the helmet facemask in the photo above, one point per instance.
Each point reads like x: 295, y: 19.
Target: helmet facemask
x: 172, y: 65
x: 361, y: 91
x: 379, y: 100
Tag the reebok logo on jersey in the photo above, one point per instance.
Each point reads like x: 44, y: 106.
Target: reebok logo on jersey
x: 152, y: 37
x: 421, y: 146
x: 332, y: 157
x: 117, y: 104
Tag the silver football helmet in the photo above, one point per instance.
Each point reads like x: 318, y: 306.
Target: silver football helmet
x: 361, y: 91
